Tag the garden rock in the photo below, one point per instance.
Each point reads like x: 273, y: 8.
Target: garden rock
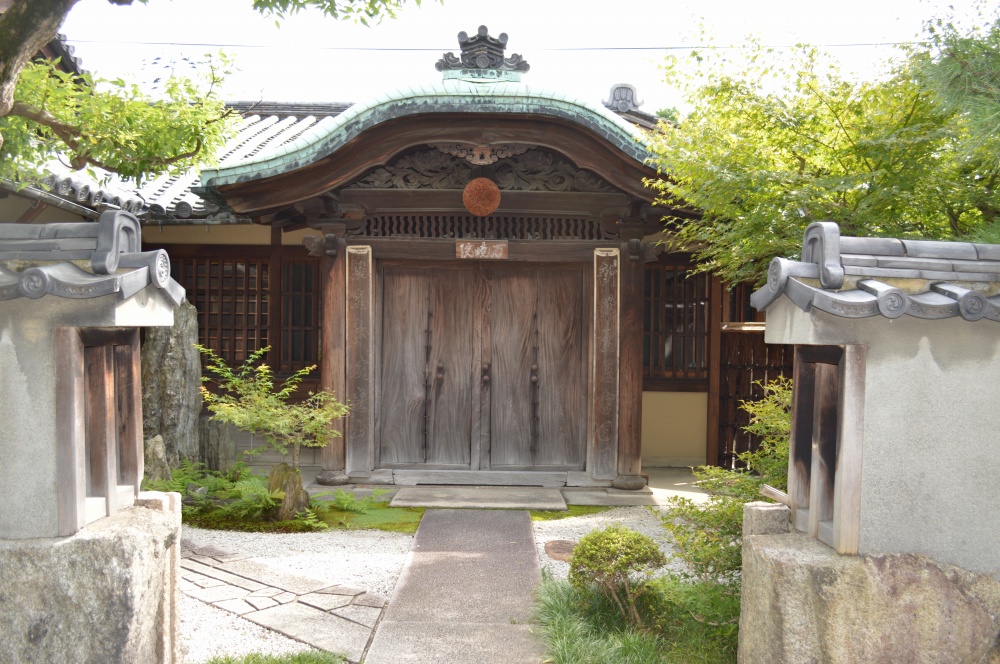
x: 285, y: 478
x: 217, y: 444
x: 171, y: 403
x: 155, y: 459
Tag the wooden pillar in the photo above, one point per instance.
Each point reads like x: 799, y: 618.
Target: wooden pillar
x: 360, y: 441
x: 605, y: 345
x: 715, y: 317
x: 333, y: 369
x: 630, y: 368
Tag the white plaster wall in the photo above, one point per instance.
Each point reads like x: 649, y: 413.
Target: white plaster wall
x: 931, y: 478
x: 28, y: 441
x: 674, y: 429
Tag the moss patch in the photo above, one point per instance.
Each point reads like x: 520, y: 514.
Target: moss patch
x: 574, y: 510
x: 391, y: 519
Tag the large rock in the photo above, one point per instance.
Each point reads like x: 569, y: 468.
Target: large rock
x: 802, y: 602
x: 217, y: 444
x: 155, y: 459
x: 171, y: 374
x: 285, y: 478
x: 106, y: 594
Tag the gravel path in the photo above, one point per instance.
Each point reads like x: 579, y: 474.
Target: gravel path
x: 368, y: 559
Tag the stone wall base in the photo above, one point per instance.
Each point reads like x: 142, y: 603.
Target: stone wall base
x: 802, y: 602
x: 106, y: 594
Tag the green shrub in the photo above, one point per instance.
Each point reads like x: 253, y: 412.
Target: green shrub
x: 618, y: 562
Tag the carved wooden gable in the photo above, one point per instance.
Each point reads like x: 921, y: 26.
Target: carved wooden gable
x: 449, y: 167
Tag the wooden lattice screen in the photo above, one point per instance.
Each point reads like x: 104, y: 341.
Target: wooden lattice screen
x: 745, y: 361
x: 231, y: 295
x: 675, y: 327
x: 300, y: 316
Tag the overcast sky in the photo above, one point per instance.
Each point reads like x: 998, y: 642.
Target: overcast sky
x: 582, y: 47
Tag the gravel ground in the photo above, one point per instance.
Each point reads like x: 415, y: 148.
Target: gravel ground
x: 368, y: 559
x: 640, y: 519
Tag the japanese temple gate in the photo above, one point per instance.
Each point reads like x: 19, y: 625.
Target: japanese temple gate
x: 501, y: 347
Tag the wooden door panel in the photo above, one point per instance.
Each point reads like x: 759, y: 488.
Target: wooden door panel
x: 513, y: 350
x: 405, y: 304
x: 452, y: 363
x: 561, y: 388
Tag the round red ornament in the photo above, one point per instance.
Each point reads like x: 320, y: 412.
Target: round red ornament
x: 481, y: 197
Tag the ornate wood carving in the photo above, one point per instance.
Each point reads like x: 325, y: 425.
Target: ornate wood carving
x: 482, y: 155
x: 360, y: 339
x: 534, y: 170
x: 606, y: 339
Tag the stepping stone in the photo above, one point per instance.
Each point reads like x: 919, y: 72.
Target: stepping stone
x: 266, y: 592
x: 560, y: 549
x: 608, y: 497
x: 319, y: 629
x: 285, y: 598
x: 341, y: 590
x: 325, y: 602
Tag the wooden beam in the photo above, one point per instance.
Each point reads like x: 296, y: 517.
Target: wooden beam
x: 102, y: 444
x: 33, y: 212
x: 535, y: 203
x: 528, y: 251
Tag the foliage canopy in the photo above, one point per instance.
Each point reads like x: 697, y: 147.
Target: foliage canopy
x: 768, y: 147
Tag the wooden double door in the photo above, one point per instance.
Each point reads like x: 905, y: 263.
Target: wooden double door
x: 482, y: 367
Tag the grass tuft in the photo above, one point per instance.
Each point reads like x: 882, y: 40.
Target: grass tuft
x: 574, y: 510
x: 304, y: 657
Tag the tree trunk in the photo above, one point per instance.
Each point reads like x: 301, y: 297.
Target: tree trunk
x: 285, y: 478
x: 25, y: 27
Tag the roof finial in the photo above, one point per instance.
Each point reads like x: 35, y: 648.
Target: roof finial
x: 482, y: 57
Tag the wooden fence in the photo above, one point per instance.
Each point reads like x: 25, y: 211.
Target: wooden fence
x: 745, y: 362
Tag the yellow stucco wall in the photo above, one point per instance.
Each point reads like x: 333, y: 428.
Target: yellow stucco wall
x: 674, y: 428
x: 13, y: 206
x: 221, y: 234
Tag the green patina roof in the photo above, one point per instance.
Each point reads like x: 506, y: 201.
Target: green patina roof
x: 453, y: 95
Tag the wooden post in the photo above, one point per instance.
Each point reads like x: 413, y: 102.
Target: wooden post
x: 360, y: 443
x: 70, y: 427
x: 605, y: 345
x: 630, y: 369
x: 333, y: 374
x: 715, y: 318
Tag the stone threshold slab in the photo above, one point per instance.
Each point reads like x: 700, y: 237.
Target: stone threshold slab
x: 479, y: 497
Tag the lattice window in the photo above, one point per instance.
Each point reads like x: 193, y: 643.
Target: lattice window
x: 231, y: 295
x: 493, y: 227
x: 675, y: 329
x: 300, y: 315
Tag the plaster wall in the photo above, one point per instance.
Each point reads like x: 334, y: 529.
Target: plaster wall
x: 221, y: 234
x: 929, y: 473
x: 674, y: 429
x: 29, y: 445
x: 13, y: 206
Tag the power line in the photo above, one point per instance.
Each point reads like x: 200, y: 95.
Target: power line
x: 438, y: 50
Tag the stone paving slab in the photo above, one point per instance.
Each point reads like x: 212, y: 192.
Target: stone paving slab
x: 465, y: 594
x: 319, y: 629
x: 608, y: 497
x: 300, y: 585
x: 454, y: 643
x: 325, y: 602
x: 221, y: 575
x: 301, y: 608
x: 482, y: 497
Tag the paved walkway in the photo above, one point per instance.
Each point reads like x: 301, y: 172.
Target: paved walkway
x: 465, y: 595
